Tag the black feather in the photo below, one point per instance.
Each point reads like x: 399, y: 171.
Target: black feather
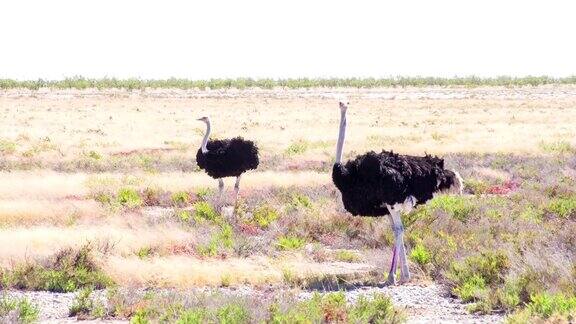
x: 228, y: 157
x: 372, y: 180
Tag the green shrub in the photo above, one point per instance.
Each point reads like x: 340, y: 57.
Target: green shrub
x: 544, y: 308
x: 129, y: 198
x: 290, y: 243
x: 332, y: 308
x: 299, y: 200
x: 68, y: 271
x: 458, y: 207
x: 477, y: 187
x: 297, y: 148
x: 557, y: 147
x: 27, y: 312
x: 144, y: 252
x: 84, y: 305
x: 531, y: 213
x: 420, y: 255
x: 203, y: 211
x: 545, y: 305
x: 233, y: 314
x: 180, y: 198
x: 7, y: 147
x: 223, y: 239
x: 471, y: 289
x: 103, y: 198
x: 202, y: 193
x: 347, y: 256
x: 183, y: 215
x: 79, y: 82
x: 264, y: 215
x: 306, y: 311
x: 140, y: 317
x: 472, y: 276
x: 563, y: 207
x: 193, y: 316
x: 379, y: 309
x: 94, y: 155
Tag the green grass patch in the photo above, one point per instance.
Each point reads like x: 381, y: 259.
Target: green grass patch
x: 286, y: 243
x: 458, y: 207
x: 559, y: 147
x: 203, y: 193
x: 180, y: 198
x: 347, y: 256
x: 203, y: 211
x: 297, y: 148
x: 564, y: 206
x: 476, y: 187
x: 7, y: 147
x: 129, y: 197
x: 264, y: 215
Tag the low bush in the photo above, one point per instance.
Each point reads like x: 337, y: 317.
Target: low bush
x: 474, y: 278
x: 24, y: 311
x: 67, y: 271
x: 546, y: 307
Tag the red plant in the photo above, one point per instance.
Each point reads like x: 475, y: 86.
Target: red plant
x: 504, y: 188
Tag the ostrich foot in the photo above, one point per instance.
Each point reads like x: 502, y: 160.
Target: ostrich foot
x: 391, y: 281
x: 404, y: 278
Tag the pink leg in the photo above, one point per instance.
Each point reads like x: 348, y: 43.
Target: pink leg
x: 392, y: 274
x: 393, y: 258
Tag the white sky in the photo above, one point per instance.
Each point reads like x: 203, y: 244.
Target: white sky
x: 294, y: 38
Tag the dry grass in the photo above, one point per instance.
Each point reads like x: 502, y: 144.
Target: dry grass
x: 58, y: 152
x: 108, y: 125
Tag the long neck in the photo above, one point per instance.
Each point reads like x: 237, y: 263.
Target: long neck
x: 341, y: 135
x: 205, y: 140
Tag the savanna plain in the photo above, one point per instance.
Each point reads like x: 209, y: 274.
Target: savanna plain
x: 105, y: 216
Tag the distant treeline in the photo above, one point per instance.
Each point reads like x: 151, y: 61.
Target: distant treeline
x: 241, y: 83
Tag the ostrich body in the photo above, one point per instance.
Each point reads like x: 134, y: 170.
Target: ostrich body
x: 386, y: 183
x: 226, y: 158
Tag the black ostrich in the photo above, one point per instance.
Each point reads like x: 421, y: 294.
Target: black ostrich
x: 226, y: 158
x: 386, y: 183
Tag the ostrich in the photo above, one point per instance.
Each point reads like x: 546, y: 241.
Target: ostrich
x: 226, y: 158
x: 386, y: 183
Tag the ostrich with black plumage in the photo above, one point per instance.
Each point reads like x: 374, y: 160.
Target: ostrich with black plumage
x: 386, y: 183
x: 226, y: 158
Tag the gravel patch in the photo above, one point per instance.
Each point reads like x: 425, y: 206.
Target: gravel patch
x: 423, y: 303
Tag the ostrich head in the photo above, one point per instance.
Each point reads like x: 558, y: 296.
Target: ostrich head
x: 204, y: 119
x: 451, y: 183
x: 344, y: 104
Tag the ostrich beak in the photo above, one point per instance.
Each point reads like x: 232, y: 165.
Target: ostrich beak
x: 200, y: 119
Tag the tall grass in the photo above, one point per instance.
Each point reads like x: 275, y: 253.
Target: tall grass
x: 79, y: 82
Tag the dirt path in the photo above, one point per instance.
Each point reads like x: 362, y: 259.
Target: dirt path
x: 422, y: 303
